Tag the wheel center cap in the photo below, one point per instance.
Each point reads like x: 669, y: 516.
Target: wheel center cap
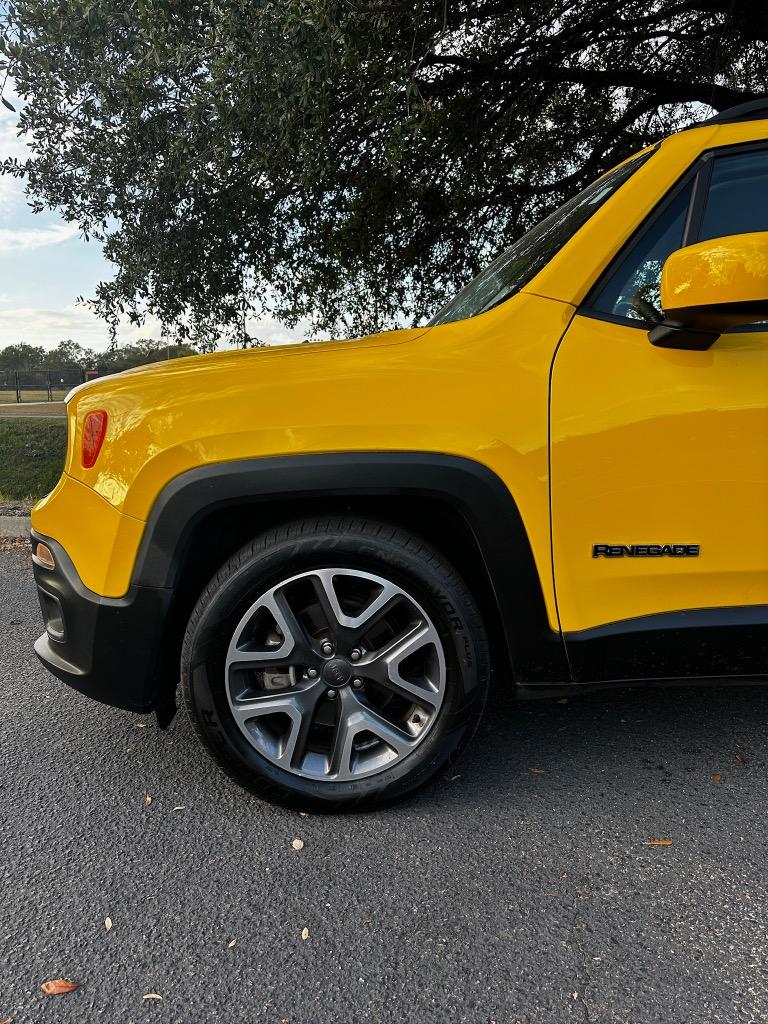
x: 337, y: 672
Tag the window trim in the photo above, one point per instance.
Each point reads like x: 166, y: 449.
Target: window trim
x: 700, y: 172
x: 698, y: 203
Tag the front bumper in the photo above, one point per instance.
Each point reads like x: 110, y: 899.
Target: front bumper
x: 107, y: 648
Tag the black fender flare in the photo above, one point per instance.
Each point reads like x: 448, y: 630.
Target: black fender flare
x: 476, y: 493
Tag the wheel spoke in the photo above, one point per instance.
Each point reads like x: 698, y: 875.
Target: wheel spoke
x: 296, y: 747
x: 243, y: 658
x: 339, y: 762
x: 299, y: 707
x: 295, y: 647
x: 355, y: 718
x: 397, y: 739
x: 303, y: 651
x: 383, y: 666
x: 270, y: 704
x: 245, y: 654
x: 322, y: 583
x: 331, y: 605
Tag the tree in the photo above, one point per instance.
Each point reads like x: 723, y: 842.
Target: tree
x: 352, y: 163
x: 141, y: 352
x: 22, y: 357
x: 68, y: 354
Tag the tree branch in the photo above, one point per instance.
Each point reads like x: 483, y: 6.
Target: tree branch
x: 665, y: 90
x: 591, y: 164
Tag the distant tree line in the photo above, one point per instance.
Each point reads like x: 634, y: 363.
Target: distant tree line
x: 70, y: 354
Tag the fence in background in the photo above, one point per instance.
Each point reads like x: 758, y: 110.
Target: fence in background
x: 40, y: 385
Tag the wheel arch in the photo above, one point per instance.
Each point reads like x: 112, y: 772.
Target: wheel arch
x: 458, y: 505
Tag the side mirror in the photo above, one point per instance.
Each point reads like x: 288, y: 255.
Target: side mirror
x: 711, y: 286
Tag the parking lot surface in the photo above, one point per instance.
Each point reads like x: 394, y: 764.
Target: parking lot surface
x: 521, y: 887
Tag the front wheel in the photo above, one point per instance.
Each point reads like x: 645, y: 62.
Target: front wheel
x: 335, y: 664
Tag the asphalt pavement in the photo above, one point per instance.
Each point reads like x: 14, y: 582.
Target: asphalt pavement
x: 520, y: 888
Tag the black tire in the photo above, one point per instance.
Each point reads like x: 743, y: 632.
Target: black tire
x: 355, y: 544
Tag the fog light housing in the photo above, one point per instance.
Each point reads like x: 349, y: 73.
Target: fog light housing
x: 43, y: 556
x: 53, y: 616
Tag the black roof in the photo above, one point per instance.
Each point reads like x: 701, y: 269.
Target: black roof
x: 754, y: 110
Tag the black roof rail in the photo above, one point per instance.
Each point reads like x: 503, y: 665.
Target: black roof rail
x: 754, y: 110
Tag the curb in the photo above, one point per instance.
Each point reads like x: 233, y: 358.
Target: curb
x: 15, y: 526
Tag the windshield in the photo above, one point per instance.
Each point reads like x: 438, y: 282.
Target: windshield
x: 528, y: 255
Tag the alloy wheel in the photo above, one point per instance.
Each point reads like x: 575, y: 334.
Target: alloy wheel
x: 335, y: 674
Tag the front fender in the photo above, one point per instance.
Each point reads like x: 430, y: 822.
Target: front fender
x: 466, y: 487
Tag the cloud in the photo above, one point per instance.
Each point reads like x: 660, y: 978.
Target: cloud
x: 50, y: 326
x: 274, y: 333
x: 15, y: 239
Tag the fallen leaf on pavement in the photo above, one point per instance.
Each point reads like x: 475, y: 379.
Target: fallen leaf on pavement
x: 151, y: 995
x: 537, y: 771
x: 659, y: 842
x: 298, y: 844
x: 148, y: 800
x: 305, y: 933
x: 741, y: 759
x: 108, y: 923
x: 58, y: 986
x: 715, y: 778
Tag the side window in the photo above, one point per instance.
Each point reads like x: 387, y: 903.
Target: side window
x: 737, y: 200
x: 633, y: 288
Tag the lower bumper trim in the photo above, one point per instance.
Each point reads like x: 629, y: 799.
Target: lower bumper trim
x: 109, y: 647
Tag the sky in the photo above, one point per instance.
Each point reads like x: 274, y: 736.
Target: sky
x: 45, y: 266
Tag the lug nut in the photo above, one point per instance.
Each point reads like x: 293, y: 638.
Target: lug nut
x: 331, y: 694
x: 312, y: 673
x: 355, y: 655
x: 327, y: 647
x: 357, y: 683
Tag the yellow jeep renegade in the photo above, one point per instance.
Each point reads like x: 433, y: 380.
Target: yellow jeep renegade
x: 565, y: 474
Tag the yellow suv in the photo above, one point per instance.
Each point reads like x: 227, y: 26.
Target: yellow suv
x: 565, y: 474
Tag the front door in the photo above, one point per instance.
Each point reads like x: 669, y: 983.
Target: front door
x: 659, y: 470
